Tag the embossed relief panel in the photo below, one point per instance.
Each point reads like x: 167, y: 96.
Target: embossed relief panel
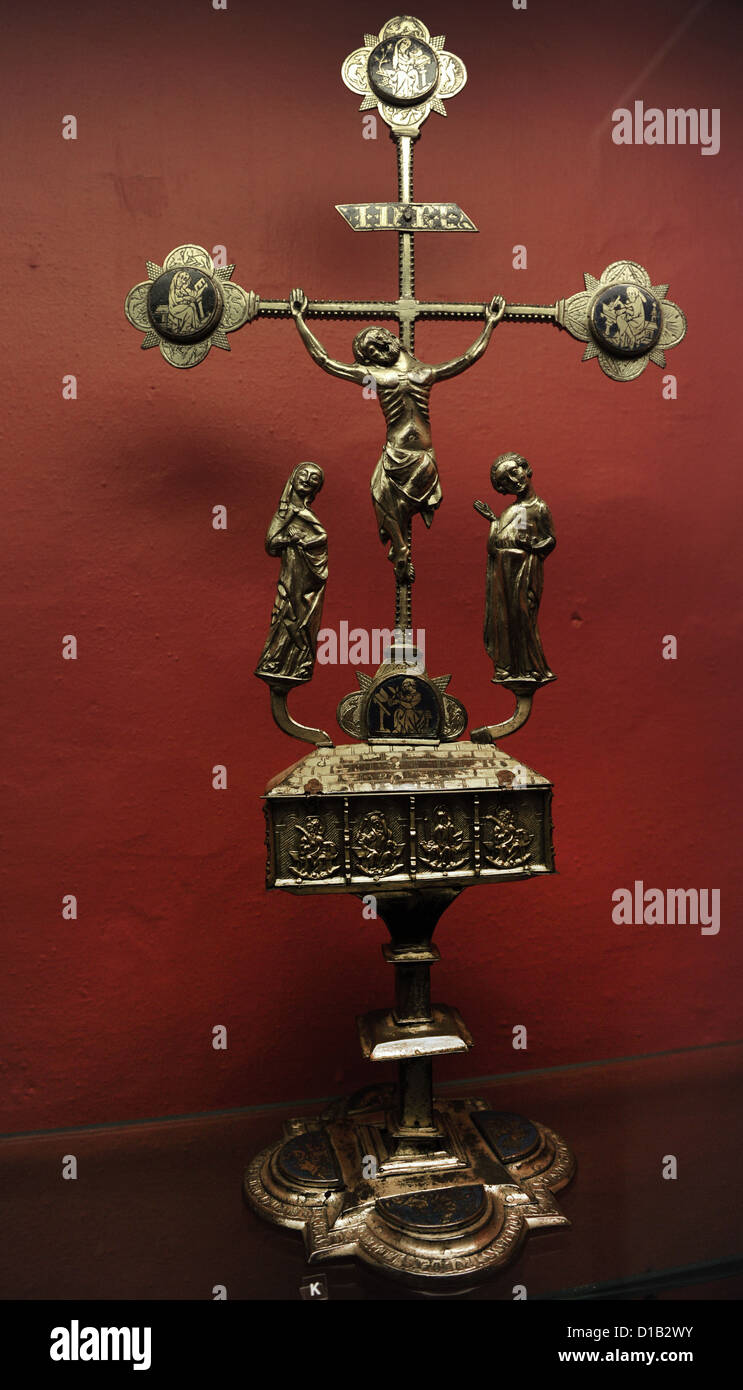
x: 445, y: 838
x: 379, y: 838
x: 515, y: 833
x: 334, y: 844
x: 308, y: 842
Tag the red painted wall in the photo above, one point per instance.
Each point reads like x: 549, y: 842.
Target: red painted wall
x: 233, y: 127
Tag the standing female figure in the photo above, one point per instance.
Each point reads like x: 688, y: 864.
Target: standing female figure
x: 296, y: 535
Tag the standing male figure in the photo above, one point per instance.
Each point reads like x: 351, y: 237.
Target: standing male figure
x: 405, y: 481
x: 518, y: 542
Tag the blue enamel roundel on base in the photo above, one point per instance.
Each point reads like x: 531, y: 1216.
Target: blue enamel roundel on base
x: 308, y: 1160
x: 442, y: 1210
x: 511, y: 1137
x: 625, y: 319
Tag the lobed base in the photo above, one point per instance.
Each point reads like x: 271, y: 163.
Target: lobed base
x: 438, y: 1214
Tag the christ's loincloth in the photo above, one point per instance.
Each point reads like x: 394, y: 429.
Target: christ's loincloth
x: 406, y: 482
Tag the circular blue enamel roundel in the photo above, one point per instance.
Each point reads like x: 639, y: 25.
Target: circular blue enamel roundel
x: 625, y: 319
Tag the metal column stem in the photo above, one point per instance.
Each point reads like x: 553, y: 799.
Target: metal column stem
x: 415, y: 1082
x: 412, y: 993
x: 411, y: 923
x: 415, y: 1075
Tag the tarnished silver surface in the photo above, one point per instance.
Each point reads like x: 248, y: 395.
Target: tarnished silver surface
x: 405, y: 217
x: 624, y: 319
x: 356, y: 768
x: 411, y: 816
x: 380, y: 1209
x: 382, y: 1040
x: 519, y: 541
x: 396, y: 817
x: 402, y: 705
x: 405, y: 482
x: 299, y: 540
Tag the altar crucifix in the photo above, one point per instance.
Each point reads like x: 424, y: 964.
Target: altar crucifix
x: 405, y: 74
x: 429, y: 1190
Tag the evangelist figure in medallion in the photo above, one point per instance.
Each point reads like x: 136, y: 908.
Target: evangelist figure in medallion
x: 402, y: 699
x: 185, y: 314
x: 406, y: 75
x: 625, y: 323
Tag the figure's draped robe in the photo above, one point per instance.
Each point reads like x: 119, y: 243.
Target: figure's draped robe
x: 289, y: 653
x: 515, y: 579
x: 183, y: 310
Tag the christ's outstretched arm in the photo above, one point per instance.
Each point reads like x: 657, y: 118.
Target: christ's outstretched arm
x: 493, y: 316
x: 348, y: 371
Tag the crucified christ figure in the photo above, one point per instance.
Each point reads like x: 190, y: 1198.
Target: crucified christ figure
x: 405, y: 481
